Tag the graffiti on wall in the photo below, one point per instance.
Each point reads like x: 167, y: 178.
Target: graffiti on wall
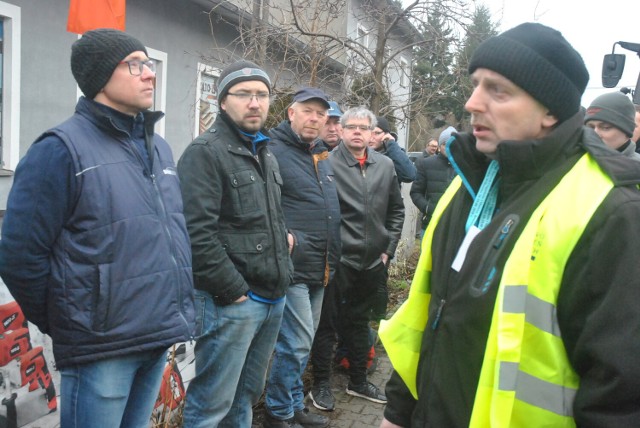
x: 27, y: 387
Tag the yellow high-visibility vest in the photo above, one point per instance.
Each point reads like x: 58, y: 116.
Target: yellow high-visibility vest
x: 526, y: 378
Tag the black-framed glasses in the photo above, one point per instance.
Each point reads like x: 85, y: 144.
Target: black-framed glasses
x: 360, y: 127
x: 136, y: 66
x: 246, y: 96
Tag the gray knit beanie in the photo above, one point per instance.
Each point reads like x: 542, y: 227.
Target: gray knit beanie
x: 240, y: 71
x: 445, y: 135
x: 614, y: 108
x: 539, y: 60
x: 96, y: 54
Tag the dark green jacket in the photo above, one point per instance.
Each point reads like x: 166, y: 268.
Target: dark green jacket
x: 234, y: 217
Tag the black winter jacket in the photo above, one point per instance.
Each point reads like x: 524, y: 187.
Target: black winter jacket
x: 234, y: 216
x: 598, y: 304
x: 371, y: 207
x: 310, y: 205
x: 434, y: 175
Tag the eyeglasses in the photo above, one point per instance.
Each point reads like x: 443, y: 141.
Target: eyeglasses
x: 247, y: 97
x: 136, y: 66
x: 360, y: 127
x: 378, y: 132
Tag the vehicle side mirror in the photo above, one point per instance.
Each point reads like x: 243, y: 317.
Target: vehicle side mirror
x: 612, y: 67
x: 636, y: 92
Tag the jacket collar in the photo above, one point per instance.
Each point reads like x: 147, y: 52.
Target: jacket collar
x: 527, y: 161
x: 520, y: 161
x: 113, y: 121
x: 350, y: 159
x: 286, y: 134
x: 241, y: 140
x: 622, y: 169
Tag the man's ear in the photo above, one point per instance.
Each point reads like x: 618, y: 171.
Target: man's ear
x: 549, y: 120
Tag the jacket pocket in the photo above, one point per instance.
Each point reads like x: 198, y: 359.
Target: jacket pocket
x: 101, y: 298
x: 245, y: 185
x: 252, y: 253
x: 488, y: 272
x: 279, y: 181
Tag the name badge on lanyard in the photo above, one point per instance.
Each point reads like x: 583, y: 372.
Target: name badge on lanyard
x: 482, y: 210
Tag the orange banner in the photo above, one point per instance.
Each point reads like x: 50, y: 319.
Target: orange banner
x: 85, y: 15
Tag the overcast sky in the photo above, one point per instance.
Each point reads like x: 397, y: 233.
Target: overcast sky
x: 591, y: 27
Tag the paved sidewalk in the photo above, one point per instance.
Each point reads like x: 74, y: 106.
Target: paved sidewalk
x: 350, y: 412
x: 354, y: 412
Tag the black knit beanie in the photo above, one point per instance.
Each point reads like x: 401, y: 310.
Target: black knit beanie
x: 383, y: 124
x: 539, y: 60
x: 240, y: 71
x: 96, y: 54
x: 614, y: 108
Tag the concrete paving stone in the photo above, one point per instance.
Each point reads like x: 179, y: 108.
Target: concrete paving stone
x: 355, y: 412
x: 364, y: 424
x: 342, y: 423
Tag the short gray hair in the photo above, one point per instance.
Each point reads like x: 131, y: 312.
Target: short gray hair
x: 360, y: 112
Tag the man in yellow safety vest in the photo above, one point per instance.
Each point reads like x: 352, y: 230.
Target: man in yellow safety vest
x: 525, y: 306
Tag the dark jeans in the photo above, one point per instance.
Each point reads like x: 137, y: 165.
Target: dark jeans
x: 358, y: 297
x: 325, y: 339
x: 351, y: 299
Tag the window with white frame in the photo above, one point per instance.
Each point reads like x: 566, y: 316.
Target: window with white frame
x: 160, y: 93
x: 405, y: 72
x: 10, y: 30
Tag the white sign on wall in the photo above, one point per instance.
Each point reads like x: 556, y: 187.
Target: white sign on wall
x: 206, y: 100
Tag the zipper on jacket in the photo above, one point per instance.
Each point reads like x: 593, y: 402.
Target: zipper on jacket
x: 436, y: 319
x: 165, y: 223
x: 264, y: 173
x: 487, y: 272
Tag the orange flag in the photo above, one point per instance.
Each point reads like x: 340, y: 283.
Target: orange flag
x: 85, y: 15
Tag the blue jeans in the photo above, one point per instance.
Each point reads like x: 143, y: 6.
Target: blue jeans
x: 285, y: 392
x: 232, y: 354
x: 116, y: 392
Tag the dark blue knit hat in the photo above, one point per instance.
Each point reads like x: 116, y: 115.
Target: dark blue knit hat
x: 539, y: 60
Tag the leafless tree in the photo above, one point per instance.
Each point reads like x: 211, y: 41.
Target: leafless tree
x: 317, y: 43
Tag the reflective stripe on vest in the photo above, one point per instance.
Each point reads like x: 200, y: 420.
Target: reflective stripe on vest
x: 526, y: 378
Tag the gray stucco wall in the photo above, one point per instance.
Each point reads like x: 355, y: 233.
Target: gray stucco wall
x: 181, y: 29
x: 184, y: 30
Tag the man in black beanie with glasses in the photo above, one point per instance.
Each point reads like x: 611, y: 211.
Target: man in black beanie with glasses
x: 94, y: 244
x: 524, y: 310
